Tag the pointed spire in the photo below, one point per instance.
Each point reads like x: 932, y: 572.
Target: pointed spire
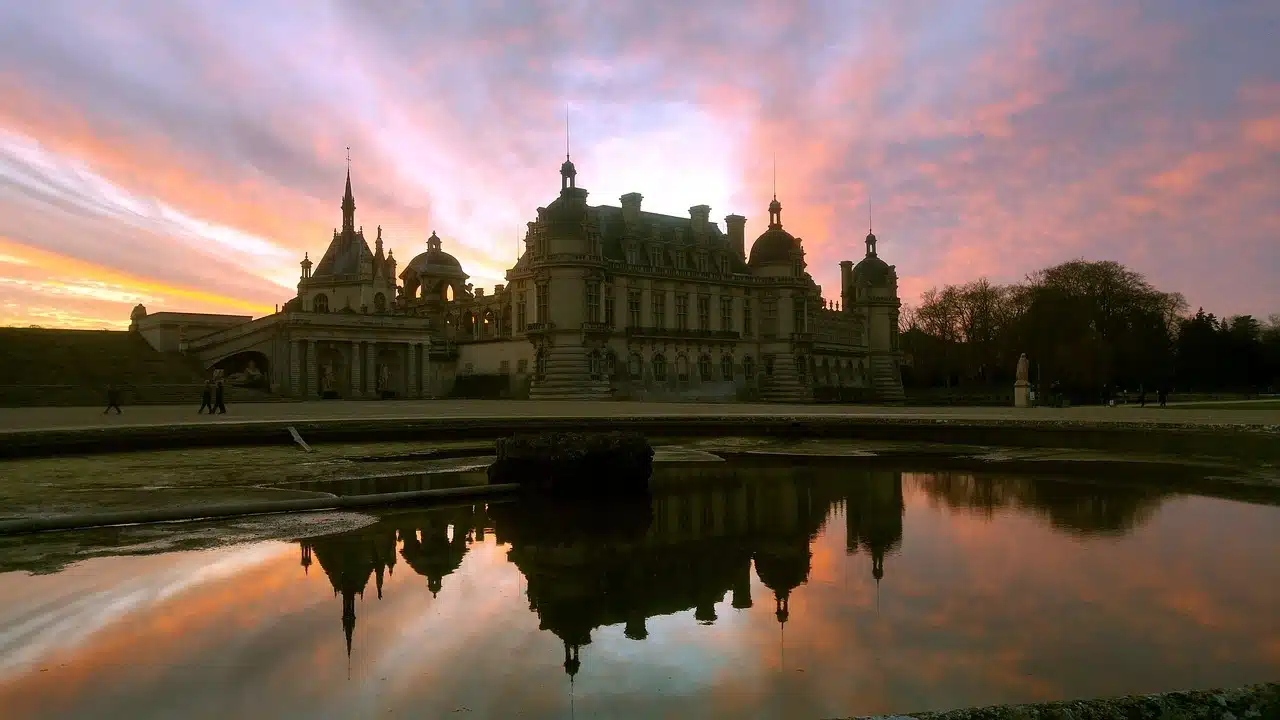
x: 348, y: 200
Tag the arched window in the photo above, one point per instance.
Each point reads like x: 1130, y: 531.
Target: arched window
x: 610, y: 363
x: 448, y: 293
x: 749, y: 368
x: 682, y: 368
x: 704, y: 368
x: 540, y: 364
x: 635, y: 365
x: 726, y: 367
x: 380, y: 303
x: 320, y: 303
x: 659, y: 368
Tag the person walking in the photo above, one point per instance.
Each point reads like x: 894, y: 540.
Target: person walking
x: 206, y: 398
x: 1162, y: 395
x: 113, y: 399
x: 218, y: 403
x: 1142, y: 396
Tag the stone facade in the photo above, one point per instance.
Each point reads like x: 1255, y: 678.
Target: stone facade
x: 604, y: 302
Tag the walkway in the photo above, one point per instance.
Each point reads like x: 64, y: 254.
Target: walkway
x: 167, y: 415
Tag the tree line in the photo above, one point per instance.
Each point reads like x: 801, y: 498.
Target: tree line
x: 1087, y: 328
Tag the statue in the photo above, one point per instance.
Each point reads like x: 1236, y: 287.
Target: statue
x: 326, y: 378
x: 384, y: 377
x: 1021, y: 387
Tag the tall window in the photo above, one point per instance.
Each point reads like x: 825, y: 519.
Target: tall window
x: 542, y: 300
x: 682, y: 311
x: 797, y: 268
x: 746, y: 317
x: 521, y: 317
x: 659, y: 309
x: 655, y: 256
x: 633, y: 308
x: 593, y: 301
x: 726, y: 313
x: 680, y: 259
x: 724, y: 264
x: 540, y: 244
x: 704, y: 368
x: 798, y: 314
x: 608, y: 305
x: 749, y: 368
x: 701, y: 261
x: 633, y: 255
x: 320, y: 303
x: 726, y: 367
x: 704, y: 312
x: 659, y: 368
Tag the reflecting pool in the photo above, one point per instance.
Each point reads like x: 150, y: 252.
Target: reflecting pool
x: 778, y: 590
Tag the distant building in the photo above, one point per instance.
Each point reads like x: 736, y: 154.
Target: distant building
x: 604, y: 302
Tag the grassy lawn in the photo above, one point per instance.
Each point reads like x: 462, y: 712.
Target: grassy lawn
x: 126, y: 481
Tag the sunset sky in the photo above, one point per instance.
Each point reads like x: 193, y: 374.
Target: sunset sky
x: 185, y: 154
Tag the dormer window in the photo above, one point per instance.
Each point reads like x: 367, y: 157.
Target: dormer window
x: 655, y: 256
x: 680, y: 260
x: 633, y: 255
x: 797, y: 268
x: 701, y: 259
x: 724, y: 264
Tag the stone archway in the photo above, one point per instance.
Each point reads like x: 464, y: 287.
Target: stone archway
x: 389, y: 371
x: 249, y: 369
x: 333, y: 377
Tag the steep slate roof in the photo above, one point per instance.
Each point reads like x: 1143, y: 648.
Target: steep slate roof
x: 613, y: 231
x: 344, y: 255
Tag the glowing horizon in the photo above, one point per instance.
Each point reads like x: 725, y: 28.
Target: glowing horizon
x: 187, y: 156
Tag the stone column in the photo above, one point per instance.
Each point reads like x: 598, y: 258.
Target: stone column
x: 411, y: 375
x: 371, y: 368
x: 311, y: 383
x: 425, y: 370
x: 356, y: 386
x: 295, y: 369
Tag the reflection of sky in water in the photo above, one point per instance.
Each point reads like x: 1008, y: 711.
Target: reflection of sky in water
x: 990, y: 592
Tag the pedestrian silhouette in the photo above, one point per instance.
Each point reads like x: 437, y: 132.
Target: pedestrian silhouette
x: 113, y: 399
x: 206, y: 398
x: 218, y: 403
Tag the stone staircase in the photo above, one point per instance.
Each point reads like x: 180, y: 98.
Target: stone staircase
x: 886, y: 380
x: 568, y: 377
x: 784, y: 385
x: 73, y: 367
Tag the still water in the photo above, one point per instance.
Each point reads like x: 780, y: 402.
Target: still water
x: 786, y: 592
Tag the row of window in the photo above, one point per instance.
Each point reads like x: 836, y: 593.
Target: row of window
x: 320, y: 303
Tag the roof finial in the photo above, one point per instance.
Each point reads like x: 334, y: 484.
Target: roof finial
x: 775, y: 175
x: 566, y: 131
x: 868, y: 212
x: 348, y: 159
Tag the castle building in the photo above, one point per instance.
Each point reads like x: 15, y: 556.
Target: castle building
x: 604, y: 302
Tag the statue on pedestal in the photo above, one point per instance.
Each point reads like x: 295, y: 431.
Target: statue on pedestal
x: 1021, y: 386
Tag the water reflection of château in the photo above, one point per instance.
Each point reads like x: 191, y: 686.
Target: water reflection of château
x: 592, y: 567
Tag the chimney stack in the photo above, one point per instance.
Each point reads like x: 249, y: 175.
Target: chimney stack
x: 737, y: 228
x: 631, y: 208
x: 847, y: 292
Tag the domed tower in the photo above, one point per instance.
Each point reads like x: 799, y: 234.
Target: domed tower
x: 870, y: 288
x: 784, y: 313
x: 433, y: 278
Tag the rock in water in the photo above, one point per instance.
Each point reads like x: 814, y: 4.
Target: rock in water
x: 605, y: 463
